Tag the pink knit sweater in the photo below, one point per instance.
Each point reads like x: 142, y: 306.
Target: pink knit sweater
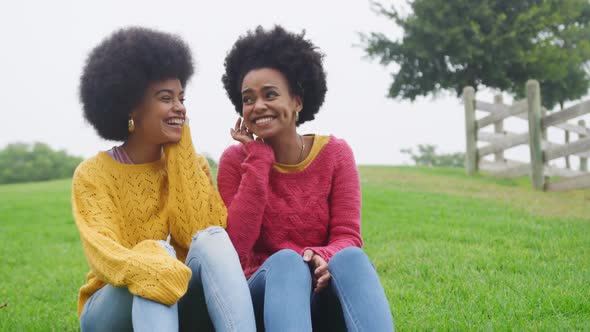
x: 317, y: 208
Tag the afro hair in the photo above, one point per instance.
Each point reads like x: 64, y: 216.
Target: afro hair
x: 291, y: 54
x: 119, y: 70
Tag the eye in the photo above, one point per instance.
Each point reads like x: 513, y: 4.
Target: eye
x: 182, y: 100
x: 247, y: 100
x: 166, y: 99
x: 271, y: 94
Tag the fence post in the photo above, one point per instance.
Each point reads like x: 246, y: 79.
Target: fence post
x: 535, y: 134
x: 470, y: 131
x: 567, y: 158
x: 499, y: 129
x: 583, y: 161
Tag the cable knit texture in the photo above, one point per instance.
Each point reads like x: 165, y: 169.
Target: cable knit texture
x: 122, y: 210
x: 317, y: 208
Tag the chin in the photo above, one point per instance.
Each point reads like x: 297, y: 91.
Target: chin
x: 174, y: 140
x: 171, y: 139
x: 266, y: 134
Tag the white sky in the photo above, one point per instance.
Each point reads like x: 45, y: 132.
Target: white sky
x: 45, y: 43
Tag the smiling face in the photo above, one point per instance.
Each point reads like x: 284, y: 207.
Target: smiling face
x: 159, y: 116
x: 268, y: 107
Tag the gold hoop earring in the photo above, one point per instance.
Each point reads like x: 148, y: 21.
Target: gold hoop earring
x: 131, y: 125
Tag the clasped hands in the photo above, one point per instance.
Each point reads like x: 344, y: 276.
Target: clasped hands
x: 319, y: 270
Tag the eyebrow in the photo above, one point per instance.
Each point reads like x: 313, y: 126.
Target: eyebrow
x: 265, y: 87
x: 168, y: 91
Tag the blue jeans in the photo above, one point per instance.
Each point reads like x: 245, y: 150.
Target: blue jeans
x: 353, y: 301
x: 217, y: 298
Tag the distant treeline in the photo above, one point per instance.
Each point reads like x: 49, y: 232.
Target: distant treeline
x: 21, y: 162
x: 427, y: 156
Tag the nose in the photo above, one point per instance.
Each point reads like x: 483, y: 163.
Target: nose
x: 259, y: 105
x: 179, y: 108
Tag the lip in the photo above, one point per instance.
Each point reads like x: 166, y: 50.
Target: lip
x: 254, y: 119
x: 182, y: 119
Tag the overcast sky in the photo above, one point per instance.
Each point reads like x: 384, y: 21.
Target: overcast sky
x: 45, y: 43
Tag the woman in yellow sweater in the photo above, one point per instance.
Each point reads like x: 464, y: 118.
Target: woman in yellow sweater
x: 150, y: 219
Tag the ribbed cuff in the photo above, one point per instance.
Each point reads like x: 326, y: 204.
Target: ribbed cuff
x: 321, y: 251
x: 174, y: 286
x: 259, y: 150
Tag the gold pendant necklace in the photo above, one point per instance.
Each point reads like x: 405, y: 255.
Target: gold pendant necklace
x: 302, y: 148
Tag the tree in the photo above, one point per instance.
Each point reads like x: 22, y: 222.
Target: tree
x: 21, y: 162
x: 449, y: 44
x: 427, y: 156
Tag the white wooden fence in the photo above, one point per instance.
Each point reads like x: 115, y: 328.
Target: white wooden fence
x: 541, y: 150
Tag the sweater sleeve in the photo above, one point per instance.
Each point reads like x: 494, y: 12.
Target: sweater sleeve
x: 146, y: 269
x: 193, y: 202
x: 243, y: 186
x: 345, y: 206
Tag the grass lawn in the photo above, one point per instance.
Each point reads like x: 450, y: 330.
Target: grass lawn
x: 453, y: 252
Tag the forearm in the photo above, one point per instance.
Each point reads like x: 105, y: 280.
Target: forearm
x: 243, y: 187
x: 146, y: 270
x: 345, y: 206
x: 194, y: 203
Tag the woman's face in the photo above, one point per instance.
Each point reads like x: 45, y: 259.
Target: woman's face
x: 268, y: 107
x: 160, y: 115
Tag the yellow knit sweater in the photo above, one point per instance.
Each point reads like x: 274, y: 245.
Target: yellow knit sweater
x: 122, y: 210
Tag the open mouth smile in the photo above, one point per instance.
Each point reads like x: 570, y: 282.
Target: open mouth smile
x: 264, y: 120
x: 176, y: 122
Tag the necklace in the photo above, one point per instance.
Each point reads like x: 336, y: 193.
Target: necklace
x: 302, y: 148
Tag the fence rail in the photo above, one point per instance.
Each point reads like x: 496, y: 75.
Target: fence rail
x: 541, y: 149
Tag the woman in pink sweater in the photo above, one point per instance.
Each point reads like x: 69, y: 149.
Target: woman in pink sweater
x: 294, y: 200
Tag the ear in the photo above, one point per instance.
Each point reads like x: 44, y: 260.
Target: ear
x: 134, y: 114
x: 298, y: 103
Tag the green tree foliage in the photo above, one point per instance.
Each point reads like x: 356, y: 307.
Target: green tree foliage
x: 427, y: 156
x: 20, y: 162
x: 449, y: 44
x: 212, y: 163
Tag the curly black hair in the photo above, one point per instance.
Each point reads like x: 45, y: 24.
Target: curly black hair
x: 291, y: 54
x: 119, y: 70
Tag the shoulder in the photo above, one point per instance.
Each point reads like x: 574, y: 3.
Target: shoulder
x: 339, y: 149
x: 97, y: 170
x: 88, y: 175
x: 233, y: 154
x: 88, y: 167
x: 339, y: 143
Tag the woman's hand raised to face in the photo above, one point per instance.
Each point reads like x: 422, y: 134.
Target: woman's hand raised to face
x: 320, y: 274
x: 241, y: 133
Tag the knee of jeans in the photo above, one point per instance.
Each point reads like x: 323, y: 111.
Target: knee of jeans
x: 348, y: 255
x: 168, y: 247
x: 289, y: 261
x: 209, y: 231
x: 216, y: 232
x: 211, y: 243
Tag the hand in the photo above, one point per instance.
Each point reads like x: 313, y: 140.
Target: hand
x: 240, y: 133
x: 320, y: 274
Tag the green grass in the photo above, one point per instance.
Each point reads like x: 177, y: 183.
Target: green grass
x: 42, y: 263
x: 453, y: 252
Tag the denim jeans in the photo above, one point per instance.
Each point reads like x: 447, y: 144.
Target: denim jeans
x: 353, y: 301
x: 217, y: 298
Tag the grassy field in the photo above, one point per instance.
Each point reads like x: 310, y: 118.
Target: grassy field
x: 453, y: 253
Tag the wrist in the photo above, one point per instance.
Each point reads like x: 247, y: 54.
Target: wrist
x: 260, y: 149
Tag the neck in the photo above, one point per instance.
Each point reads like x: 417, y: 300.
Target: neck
x: 287, y: 147
x: 141, y: 152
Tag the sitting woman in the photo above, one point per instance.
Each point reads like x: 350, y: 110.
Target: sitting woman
x: 129, y: 200
x: 294, y: 200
